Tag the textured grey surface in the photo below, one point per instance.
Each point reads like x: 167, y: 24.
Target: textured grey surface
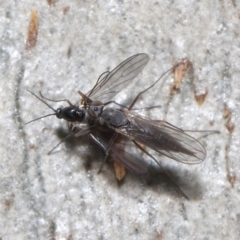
x: 61, y: 196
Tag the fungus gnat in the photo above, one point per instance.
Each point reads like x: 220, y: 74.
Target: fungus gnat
x: 115, y: 128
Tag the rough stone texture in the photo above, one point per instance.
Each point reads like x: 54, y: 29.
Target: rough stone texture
x: 61, y: 196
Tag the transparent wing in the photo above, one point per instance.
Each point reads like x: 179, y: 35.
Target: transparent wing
x: 164, y: 138
x: 118, y: 152
x: 116, y: 80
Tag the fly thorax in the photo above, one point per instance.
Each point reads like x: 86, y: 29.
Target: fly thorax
x: 114, y: 117
x: 95, y: 111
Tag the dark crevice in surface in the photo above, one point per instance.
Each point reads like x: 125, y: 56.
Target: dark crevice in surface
x: 24, y: 167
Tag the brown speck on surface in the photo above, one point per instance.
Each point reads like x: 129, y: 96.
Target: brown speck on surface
x: 231, y: 176
x: 179, y: 73
x: 8, y: 202
x: 119, y: 169
x: 32, y: 146
x: 227, y: 114
x: 51, y: 2
x: 200, y: 98
x: 32, y: 30
x: 159, y: 235
x: 66, y: 10
x: 230, y: 126
x: 211, y: 123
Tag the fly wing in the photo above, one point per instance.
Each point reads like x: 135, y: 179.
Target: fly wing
x: 164, y: 138
x: 120, y: 154
x: 116, y: 80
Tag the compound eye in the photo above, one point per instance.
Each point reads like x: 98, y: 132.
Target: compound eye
x: 59, y: 112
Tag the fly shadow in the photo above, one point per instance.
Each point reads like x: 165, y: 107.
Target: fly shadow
x: 165, y: 180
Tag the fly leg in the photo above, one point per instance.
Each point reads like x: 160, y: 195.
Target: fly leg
x: 52, y: 100
x: 165, y: 171
x: 142, y: 92
x: 63, y: 139
x: 108, y: 148
x: 71, y: 129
